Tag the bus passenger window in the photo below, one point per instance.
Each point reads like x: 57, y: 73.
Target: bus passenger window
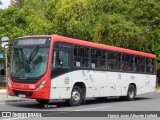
x: 94, y: 63
x: 126, y: 67
x: 128, y: 63
x: 140, y: 64
x: 85, y: 62
x: 102, y: 64
x: 118, y: 65
x: 63, y: 59
x: 98, y: 59
x: 111, y: 66
x: 150, y: 65
x: 81, y: 56
x: 111, y: 60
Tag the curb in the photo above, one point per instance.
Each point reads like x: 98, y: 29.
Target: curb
x: 16, y: 99
x: 8, y: 101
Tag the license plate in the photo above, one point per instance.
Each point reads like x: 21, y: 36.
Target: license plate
x: 22, y: 95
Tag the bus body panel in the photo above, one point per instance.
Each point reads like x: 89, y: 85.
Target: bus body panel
x: 101, y: 83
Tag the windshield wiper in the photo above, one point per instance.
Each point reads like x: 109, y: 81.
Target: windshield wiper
x: 33, y: 53
x: 28, y: 61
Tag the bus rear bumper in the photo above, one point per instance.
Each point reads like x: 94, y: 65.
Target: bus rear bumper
x: 32, y: 94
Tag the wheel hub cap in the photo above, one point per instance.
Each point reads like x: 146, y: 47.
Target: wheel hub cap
x: 75, y: 96
x: 131, y: 93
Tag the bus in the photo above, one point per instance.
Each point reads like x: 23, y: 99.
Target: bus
x: 53, y: 67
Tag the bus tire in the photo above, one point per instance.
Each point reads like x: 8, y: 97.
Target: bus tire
x: 131, y: 93
x: 42, y: 101
x: 76, y: 96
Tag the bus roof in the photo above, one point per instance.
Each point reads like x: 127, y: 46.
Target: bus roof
x: 100, y: 46
x: 35, y: 36
x: 92, y: 44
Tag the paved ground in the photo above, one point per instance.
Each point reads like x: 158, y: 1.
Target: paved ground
x: 147, y: 102
x: 5, y: 98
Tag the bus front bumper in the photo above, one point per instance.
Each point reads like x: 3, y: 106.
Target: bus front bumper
x: 32, y: 94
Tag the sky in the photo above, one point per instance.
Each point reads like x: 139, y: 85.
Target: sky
x: 5, y: 4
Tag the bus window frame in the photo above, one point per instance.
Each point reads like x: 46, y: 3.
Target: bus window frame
x: 81, y: 57
x: 140, y: 64
x: 98, y: 59
x: 73, y: 67
x: 129, y: 63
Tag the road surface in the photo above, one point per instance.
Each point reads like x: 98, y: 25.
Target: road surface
x: 147, y: 102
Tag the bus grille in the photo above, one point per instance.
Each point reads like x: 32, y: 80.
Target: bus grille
x: 27, y: 93
x: 29, y: 81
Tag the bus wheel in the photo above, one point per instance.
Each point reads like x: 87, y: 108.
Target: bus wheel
x: 76, y: 96
x: 131, y: 93
x: 41, y: 101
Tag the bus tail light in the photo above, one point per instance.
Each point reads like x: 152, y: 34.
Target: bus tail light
x: 9, y: 83
x: 41, y: 85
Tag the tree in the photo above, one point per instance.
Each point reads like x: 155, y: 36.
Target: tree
x: 74, y: 19
x: 116, y: 30
x: 36, y: 17
x: 12, y: 27
x: 130, y: 24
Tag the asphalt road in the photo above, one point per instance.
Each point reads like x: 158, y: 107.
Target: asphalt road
x: 147, y: 102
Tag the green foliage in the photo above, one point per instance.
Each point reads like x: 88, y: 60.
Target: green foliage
x: 115, y: 30
x: 132, y: 24
x: 74, y: 19
x: 13, y: 23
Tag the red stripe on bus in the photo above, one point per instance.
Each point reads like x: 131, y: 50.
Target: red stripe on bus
x: 100, y: 46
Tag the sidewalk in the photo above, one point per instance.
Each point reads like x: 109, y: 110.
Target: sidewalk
x: 4, y: 98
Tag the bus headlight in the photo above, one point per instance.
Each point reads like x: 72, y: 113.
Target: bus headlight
x: 41, y: 85
x: 9, y: 83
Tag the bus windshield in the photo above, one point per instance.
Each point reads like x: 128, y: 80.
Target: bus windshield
x: 29, y: 61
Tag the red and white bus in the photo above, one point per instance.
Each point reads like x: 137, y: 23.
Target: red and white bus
x: 51, y: 67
